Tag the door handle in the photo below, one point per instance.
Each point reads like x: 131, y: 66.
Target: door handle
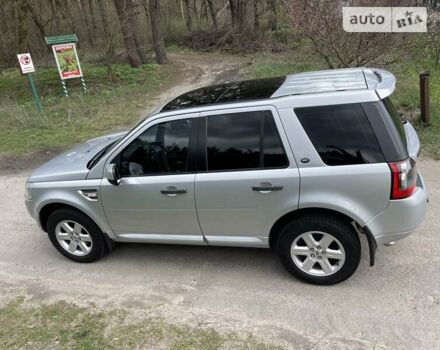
x: 266, y: 187
x: 172, y: 191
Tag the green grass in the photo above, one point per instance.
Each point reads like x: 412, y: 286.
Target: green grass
x: 108, y: 105
x: 300, y: 59
x: 407, y: 99
x: 406, y: 96
x: 66, y: 326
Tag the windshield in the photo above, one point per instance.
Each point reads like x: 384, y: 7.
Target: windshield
x: 101, y: 153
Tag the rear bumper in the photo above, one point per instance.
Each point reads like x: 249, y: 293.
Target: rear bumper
x: 401, y: 216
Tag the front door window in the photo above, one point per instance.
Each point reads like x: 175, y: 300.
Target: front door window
x: 161, y: 149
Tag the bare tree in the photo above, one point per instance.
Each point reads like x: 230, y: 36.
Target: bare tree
x: 87, y: 23
x: 273, y: 15
x: 22, y: 26
x: 242, y: 14
x: 213, y: 13
x: 104, y: 17
x: 434, y: 33
x: 38, y: 20
x: 124, y: 9
x: 256, y: 14
x: 189, y: 16
x: 156, y: 31
x: 233, y: 8
x: 321, y: 22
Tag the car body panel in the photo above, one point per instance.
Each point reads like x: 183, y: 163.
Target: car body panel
x: 230, y: 212
x: 72, y: 165
x: 359, y: 191
x: 228, y: 208
x: 66, y: 193
x: 137, y: 206
x: 412, y: 140
x: 401, y: 217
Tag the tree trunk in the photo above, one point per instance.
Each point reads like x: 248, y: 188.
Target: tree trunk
x: 22, y: 26
x: 104, y: 17
x: 123, y: 9
x: 189, y: 17
x: 213, y: 14
x: 93, y: 17
x: 180, y: 4
x: 158, y: 44
x: 140, y: 47
x: 233, y: 9
x: 37, y: 22
x: 67, y: 9
x: 241, y: 14
x: 273, y: 20
x: 85, y: 18
x: 55, y: 15
x: 256, y: 14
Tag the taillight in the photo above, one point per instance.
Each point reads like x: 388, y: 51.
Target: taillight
x: 403, y: 178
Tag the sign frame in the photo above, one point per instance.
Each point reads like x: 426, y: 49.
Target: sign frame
x: 69, y: 75
x: 28, y: 67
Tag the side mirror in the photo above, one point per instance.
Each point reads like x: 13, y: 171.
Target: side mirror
x: 112, y: 174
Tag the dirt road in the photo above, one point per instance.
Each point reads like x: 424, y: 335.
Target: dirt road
x: 395, y: 304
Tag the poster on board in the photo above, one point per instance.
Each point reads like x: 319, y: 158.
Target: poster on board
x: 67, y: 61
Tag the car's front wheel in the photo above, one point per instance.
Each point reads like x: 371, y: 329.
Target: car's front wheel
x: 75, y: 235
x: 319, y: 249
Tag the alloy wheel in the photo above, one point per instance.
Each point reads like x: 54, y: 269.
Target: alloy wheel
x: 73, y: 238
x: 317, y: 253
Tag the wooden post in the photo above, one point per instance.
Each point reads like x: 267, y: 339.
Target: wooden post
x: 424, y: 97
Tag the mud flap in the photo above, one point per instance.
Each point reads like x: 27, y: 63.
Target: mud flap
x: 109, y: 243
x: 372, y: 245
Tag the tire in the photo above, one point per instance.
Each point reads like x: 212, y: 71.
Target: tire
x: 336, y: 259
x: 68, y: 228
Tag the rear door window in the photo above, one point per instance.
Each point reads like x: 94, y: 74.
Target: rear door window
x: 243, y: 141
x: 341, y: 134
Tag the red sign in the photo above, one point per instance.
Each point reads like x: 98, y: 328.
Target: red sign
x: 67, y: 61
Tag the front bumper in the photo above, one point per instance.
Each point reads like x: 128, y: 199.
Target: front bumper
x: 401, y: 217
x: 30, y: 207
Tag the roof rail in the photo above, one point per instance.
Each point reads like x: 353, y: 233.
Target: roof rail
x: 338, y: 80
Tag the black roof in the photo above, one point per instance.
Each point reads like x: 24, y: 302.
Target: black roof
x: 245, y: 90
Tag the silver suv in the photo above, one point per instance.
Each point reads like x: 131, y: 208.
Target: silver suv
x: 302, y: 164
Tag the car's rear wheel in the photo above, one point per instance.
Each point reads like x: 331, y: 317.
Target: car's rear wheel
x: 319, y: 249
x: 75, y: 235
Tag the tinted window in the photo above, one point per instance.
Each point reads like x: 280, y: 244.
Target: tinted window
x: 274, y: 155
x: 243, y: 141
x: 228, y: 92
x: 395, y: 117
x: 341, y: 134
x: 161, y: 149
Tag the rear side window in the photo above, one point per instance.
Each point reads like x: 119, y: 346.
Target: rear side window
x: 341, y: 134
x: 395, y: 117
x: 241, y: 141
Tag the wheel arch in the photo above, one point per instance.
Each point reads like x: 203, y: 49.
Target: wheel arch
x: 283, y: 220
x: 47, y: 210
